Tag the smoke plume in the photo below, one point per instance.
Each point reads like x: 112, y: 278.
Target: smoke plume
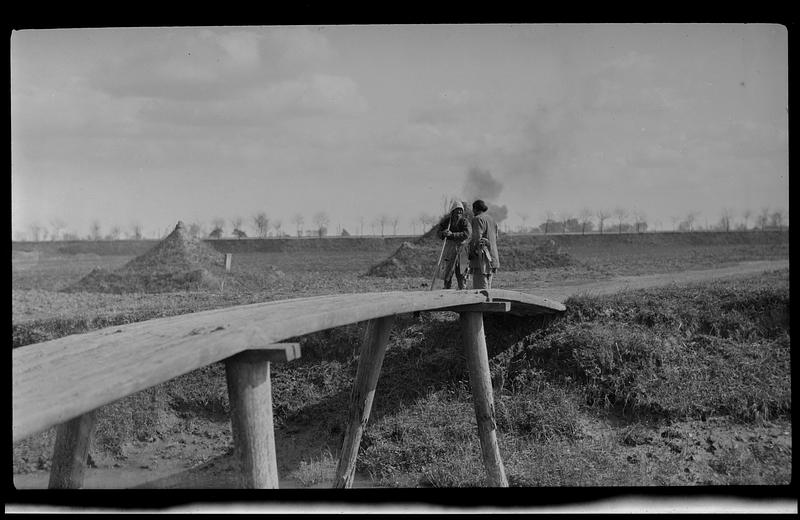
x: 480, y: 184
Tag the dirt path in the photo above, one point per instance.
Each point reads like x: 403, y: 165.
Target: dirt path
x: 561, y: 290
x: 201, y: 464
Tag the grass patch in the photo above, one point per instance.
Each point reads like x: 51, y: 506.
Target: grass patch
x: 680, y: 352
x: 140, y: 416
x: 424, y: 444
x: 318, y: 470
x: 540, y: 413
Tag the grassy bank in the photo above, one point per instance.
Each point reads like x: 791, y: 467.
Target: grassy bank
x: 642, y: 361
x: 601, y: 396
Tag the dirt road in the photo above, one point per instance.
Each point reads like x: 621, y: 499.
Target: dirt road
x: 561, y: 290
x: 148, y: 465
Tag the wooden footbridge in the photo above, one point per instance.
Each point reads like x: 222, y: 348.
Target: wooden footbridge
x: 62, y: 382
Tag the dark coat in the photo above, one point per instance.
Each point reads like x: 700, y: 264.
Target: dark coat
x: 456, y: 254
x: 484, y: 226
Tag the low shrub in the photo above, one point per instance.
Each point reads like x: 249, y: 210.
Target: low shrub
x: 712, y: 349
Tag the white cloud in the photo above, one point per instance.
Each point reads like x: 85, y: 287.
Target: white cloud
x: 297, y: 46
x: 329, y: 93
x: 184, y: 63
x: 316, y: 95
x: 242, y: 48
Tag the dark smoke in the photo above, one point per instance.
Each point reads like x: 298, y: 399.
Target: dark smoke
x: 480, y: 184
x: 498, y: 213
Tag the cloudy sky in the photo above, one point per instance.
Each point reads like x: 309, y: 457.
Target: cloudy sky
x: 156, y: 125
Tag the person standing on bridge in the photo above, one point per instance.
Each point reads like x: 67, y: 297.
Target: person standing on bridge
x: 457, y: 231
x: 483, y: 256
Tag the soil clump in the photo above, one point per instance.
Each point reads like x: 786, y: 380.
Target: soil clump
x: 180, y: 262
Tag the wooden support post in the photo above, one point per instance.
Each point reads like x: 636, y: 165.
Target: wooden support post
x: 250, y: 396
x: 369, y: 367
x: 69, y: 454
x: 481, y: 383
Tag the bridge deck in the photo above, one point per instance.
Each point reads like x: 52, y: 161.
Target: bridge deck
x: 58, y: 380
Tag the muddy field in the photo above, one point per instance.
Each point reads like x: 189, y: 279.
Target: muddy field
x: 178, y: 436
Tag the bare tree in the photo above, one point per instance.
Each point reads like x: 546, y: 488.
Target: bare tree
x: 58, y: 226
x: 640, y: 220
x: 135, y: 231
x: 114, y: 232
x: 763, y: 218
x: 236, y: 224
x: 620, y: 214
x: 585, y: 217
x: 361, y: 226
x: 218, y: 225
x: 35, y: 231
x: 394, y: 221
x: 276, y: 225
x: 776, y: 219
x: 565, y: 217
x: 548, y: 219
x: 690, y: 219
x: 195, y: 229
x: 602, y: 215
x: 746, y: 214
x: 321, y: 219
x: 675, y: 220
x: 383, y: 220
x: 94, y: 230
x: 725, y: 219
x: 298, y: 220
x: 524, y: 217
x: 261, y: 224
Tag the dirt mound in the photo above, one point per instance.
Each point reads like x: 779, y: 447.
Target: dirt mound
x: 104, y: 281
x: 410, y: 259
x: 177, y: 252
x: 419, y: 258
x: 177, y: 263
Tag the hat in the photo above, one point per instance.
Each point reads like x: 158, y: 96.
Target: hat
x: 456, y: 205
x: 479, y: 205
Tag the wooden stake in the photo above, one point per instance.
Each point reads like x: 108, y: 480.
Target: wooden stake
x: 369, y: 367
x: 481, y: 383
x: 250, y: 395
x: 70, y: 451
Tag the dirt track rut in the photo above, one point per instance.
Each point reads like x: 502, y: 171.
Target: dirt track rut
x: 560, y: 290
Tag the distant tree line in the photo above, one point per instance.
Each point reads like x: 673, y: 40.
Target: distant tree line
x: 622, y: 220
x: 615, y: 220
